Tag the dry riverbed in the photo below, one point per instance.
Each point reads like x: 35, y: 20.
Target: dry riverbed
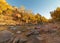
x: 47, y: 33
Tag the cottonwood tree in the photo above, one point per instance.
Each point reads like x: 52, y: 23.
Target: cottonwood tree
x: 56, y: 14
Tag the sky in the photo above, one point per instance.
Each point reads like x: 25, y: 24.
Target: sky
x: 44, y: 7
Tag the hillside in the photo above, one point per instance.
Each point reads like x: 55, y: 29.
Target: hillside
x: 11, y: 15
x: 21, y: 25
x: 4, y: 10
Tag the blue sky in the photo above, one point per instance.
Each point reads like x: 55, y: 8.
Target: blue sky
x: 37, y: 6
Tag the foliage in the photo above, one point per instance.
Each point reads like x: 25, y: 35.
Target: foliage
x: 11, y: 14
x: 55, y: 14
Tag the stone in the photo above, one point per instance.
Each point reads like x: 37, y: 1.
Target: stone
x: 5, y: 35
x: 18, y: 32
x: 12, y: 27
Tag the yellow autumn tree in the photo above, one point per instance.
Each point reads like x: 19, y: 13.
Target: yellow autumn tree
x: 56, y: 14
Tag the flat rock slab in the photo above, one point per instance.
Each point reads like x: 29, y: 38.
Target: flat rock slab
x: 5, y: 35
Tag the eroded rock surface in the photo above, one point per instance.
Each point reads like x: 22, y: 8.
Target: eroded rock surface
x: 5, y: 36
